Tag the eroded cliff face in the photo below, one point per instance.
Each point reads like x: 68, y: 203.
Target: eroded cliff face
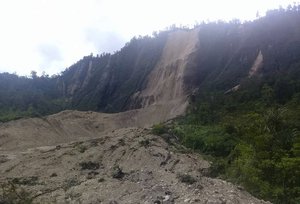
x: 148, y: 76
x: 145, y: 89
x: 164, y: 97
x: 107, y: 82
x: 169, y: 65
x: 165, y: 85
x: 167, y: 68
x: 80, y: 77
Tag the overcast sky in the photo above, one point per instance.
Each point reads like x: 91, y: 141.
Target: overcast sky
x: 50, y: 35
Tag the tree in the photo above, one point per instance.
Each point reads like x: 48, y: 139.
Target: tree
x: 33, y: 74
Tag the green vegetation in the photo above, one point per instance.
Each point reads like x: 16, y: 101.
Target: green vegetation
x: 253, y: 133
x: 115, y: 77
x: 28, y: 97
x: 254, y: 142
x: 104, y: 83
x: 159, y: 129
x: 109, y: 82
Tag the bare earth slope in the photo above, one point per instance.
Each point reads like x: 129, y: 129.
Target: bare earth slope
x: 124, y: 166
x: 88, y: 157
x: 164, y: 98
x: 165, y: 89
x: 69, y: 126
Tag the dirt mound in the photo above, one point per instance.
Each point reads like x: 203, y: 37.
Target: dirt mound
x: 124, y: 166
x: 65, y: 127
x: 70, y: 126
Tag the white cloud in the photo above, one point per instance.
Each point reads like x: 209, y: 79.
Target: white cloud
x: 104, y: 41
x: 66, y: 30
x: 49, y: 53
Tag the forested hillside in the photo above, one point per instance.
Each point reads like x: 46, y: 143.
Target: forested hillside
x: 248, y: 119
x: 24, y: 97
x: 242, y: 81
x: 107, y: 82
x: 252, y: 135
x: 101, y: 83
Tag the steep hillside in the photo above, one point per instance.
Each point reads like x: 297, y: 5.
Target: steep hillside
x: 107, y: 82
x: 165, y: 83
x: 237, y: 83
x: 212, y: 57
x: 159, y: 90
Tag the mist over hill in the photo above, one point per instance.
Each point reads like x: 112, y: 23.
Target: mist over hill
x: 238, y: 85
x: 224, y: 55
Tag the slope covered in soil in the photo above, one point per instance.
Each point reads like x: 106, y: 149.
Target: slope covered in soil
x: 124, y: 166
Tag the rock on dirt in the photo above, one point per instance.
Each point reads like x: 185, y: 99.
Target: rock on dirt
x: 117, y: 167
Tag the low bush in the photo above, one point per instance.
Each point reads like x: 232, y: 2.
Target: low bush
x: 185, y: 178
x: 11, y: 193
x: 159, y: 129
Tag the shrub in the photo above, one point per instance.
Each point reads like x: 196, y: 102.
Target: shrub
x: 29, y: 181
x: 10, y: 193
x: 145, y: 143
x: 89, y: 165
x: 185, y: 178
x: 159, y: 129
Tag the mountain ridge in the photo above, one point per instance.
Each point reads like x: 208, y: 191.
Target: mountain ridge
x: 238, y: 85
x: 109, y: 82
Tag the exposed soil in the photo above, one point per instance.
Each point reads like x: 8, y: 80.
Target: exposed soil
x: 88, y: 157
x: 124, y: 166
x: 165, y: 87
x: 257, y: 65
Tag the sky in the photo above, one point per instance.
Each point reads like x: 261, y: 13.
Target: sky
x: 51, y: 35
